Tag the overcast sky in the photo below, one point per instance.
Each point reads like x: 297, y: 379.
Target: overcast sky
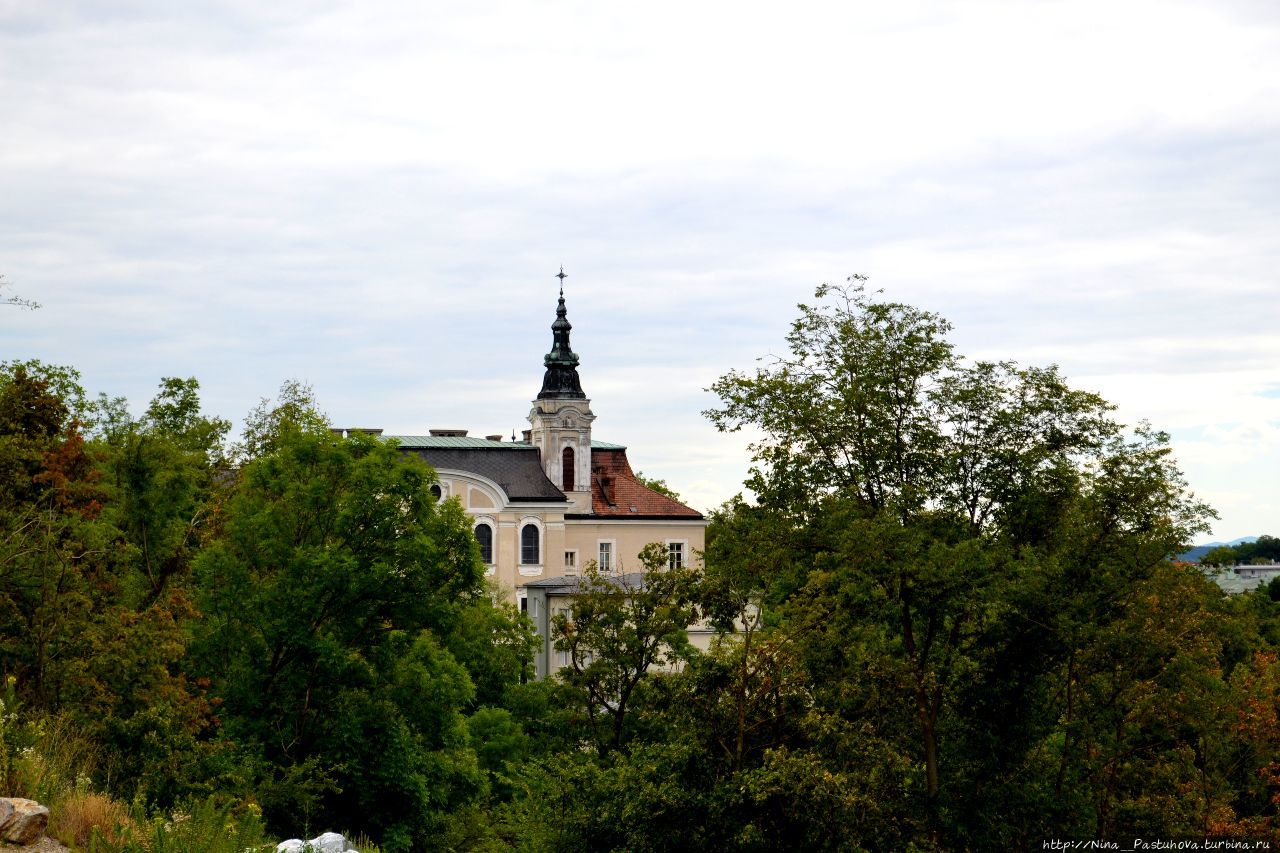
x: 374, y: 197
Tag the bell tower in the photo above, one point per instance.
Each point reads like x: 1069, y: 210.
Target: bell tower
x: 561, y: 416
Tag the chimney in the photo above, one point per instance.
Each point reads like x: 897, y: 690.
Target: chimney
x: 493, y: 438
x: 449, y: 433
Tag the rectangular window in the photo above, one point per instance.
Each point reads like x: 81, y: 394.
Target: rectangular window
x: 675, y: 555
x: 606, y: 556
x: 571, y: 562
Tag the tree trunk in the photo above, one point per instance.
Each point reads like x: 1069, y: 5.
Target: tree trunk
x: 928, y: 727
x: 740, y: 745
x: 930, y: 736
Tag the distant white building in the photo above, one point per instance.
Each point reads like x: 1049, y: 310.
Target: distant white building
x: 1242, y: 578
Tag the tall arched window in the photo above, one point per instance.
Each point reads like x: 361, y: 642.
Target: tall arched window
x: 484, y: 535
x: 566, y: 470
x: 529, y: 545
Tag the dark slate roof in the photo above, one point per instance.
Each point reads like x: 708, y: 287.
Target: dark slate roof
x: 516, y: 468
x: 419, y: 442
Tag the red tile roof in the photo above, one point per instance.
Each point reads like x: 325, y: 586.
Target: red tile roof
x: 616, y: 493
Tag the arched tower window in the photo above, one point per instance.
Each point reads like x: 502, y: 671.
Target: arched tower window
x: 566, y: 470
x: 484, y: 535
x: 529, y: 545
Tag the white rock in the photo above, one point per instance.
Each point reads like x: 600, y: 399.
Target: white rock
x: 329, y: 842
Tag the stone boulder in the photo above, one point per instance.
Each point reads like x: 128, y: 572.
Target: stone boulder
x: 329, y: 842
x: 22, y: 821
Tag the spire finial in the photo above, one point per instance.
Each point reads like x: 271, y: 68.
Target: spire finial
x: 561, y: 379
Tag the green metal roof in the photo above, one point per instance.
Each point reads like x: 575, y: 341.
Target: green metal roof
x: 412, y: 442
x: 419, y: 442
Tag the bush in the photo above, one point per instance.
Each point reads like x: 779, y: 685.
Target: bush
x: 78, y: 818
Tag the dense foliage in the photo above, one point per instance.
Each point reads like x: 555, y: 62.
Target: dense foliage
x: 948, y: 621
x: 1263, y: 551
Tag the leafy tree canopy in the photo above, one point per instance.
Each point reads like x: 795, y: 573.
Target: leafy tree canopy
x: 924, y: 523
x: 332, y: 591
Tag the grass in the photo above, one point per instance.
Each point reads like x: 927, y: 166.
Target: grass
x: 200, y: 827
x: 78, y: 818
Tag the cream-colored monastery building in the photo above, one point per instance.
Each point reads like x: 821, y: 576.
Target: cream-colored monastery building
x: 546, y: 505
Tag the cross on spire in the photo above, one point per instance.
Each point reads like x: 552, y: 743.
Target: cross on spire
x: 561, y: 379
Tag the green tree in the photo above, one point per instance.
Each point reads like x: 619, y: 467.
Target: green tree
x: 935, y: 508
x: 495, y: 642
x: 659, y: 486
x: 84, y: 637
x: 63, y: 383
x: 329, y: 596
x: 1265, y: 549
x: 159, y: 473
x: 1223, y: 555
x: 162, y: 468
x: 294, y: 408
x: 1267, y: 546
x: 54, y: 564
x: 617, y: 633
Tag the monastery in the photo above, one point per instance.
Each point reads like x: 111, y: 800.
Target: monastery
x: 545, y: 505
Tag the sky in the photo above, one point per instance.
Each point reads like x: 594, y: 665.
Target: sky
x: 374, y: 197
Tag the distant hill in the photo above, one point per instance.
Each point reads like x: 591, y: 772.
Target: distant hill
x: 1199, y: 551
